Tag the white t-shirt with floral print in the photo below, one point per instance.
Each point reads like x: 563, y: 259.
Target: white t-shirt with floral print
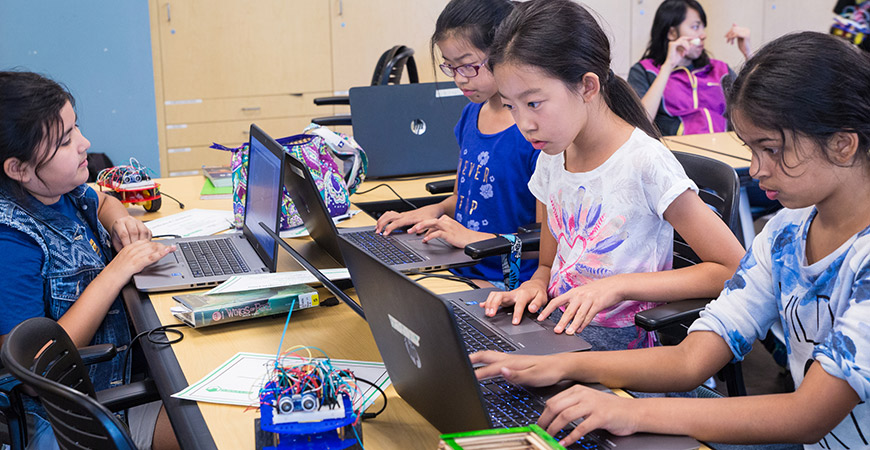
x: 609, y: 220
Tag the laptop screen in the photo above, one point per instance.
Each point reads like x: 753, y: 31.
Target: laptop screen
x: 263, y: 194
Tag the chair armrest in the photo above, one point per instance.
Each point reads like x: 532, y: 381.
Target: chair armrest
x: 97, y: 353
x: 129, y: 395
x: 440, y: 187
x: 337, y: 100
x: 668, y: 314
x: 529, y: 228
x: 500, y: 246
x: 333, y: 121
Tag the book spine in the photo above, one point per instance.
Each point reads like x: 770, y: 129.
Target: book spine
x: 253, y: 308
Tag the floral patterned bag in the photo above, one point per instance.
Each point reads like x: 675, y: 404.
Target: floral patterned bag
x: 336, y: 162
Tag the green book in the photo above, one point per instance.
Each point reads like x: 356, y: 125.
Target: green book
x: 201, y: 310
x: 209, y: 191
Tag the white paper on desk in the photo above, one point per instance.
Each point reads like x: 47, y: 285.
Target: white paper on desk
x: 238, y: 381
x: 193, y: 222
x: 239, y: 283
x: 301, y: 231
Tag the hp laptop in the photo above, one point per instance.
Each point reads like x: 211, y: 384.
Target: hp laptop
x: 405, y: 252
x: 207, y: 261
x: 478, y: 332
x: 407, y: 129
x: 419, y: 340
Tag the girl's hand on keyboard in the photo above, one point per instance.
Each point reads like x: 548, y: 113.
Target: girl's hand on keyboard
x: 582, y: 303
x: 126, y: 230
x: 135, y: 257
x: 531, y: 294
x: 593, y: 409
x: 520, y: 369
x: 392, y: 220
x: 447, y: 228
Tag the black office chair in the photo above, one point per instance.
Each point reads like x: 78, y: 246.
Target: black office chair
x: 40, y: 354
x: 719, y: 189
x: 388, y: 70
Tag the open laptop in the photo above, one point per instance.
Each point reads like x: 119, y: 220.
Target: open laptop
x: 405, y: 252
x: 321, y: 277
x: 419, y: 340
x: 207, y: 261
x: 478, y: 332
x: 407, y: 129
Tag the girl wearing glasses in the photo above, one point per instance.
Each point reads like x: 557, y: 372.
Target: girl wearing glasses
x: 495, y: 162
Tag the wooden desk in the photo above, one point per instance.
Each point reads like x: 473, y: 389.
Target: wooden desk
x: 728, y: 148
x: 337, y: 330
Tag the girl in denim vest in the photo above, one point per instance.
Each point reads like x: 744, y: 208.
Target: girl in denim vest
x: 69, y: 249
x: 680, y: 86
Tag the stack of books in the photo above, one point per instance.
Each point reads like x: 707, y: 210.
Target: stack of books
x: 218, y: 183
x: 201, y: 310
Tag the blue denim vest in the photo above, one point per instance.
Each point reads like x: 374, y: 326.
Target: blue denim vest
x: 70, y: 264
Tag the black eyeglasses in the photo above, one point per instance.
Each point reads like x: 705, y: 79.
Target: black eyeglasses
x: 466, y: 70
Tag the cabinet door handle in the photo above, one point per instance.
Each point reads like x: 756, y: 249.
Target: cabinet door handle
x: 251, y: 108
x: 168, y: 13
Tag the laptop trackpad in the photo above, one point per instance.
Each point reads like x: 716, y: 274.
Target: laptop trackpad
x: 503, y: 318
x: 169, y: 259
x: 435, y: 246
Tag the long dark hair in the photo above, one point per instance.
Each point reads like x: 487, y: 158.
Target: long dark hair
x: 775, y: 91
x: 563, y: 39
x: 30, y: 106
x: 475, y: 20
x: 671, y: 14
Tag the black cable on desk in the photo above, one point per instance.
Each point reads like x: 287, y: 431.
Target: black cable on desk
x: 161, y: 329
x: 390, y: 188
x: 366, y: 415
x: 442, y: 276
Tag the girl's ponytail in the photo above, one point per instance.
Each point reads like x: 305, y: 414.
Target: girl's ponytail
x: 564, y: 39
x: 624, y: 102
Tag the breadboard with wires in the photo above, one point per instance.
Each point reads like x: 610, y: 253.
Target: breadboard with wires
x: 132, y: 176
x: 308, y: 395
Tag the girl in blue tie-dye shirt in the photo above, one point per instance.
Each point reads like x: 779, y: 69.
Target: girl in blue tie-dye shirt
x: 808, y: 270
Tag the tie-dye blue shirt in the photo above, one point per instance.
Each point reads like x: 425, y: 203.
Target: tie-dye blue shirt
x: 824, y: 309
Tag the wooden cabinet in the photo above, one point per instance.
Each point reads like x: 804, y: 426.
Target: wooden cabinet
x: 222, y: 64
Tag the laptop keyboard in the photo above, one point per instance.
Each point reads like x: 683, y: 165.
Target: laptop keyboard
x: 478, y: 337
x: 384, y: 248
x: 213, y: 257
x: 510, y: 406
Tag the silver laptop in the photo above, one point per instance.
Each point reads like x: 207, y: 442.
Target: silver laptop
x: 407, y: 129
x: 419, y: 340
x: 206, y: 261
x: 405, y: 252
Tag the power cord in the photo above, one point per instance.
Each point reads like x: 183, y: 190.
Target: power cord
x: 164, y: 194
x: 365, y: 416
x: 457, y: 278
x: 161, y: 329
x: 394, y: 192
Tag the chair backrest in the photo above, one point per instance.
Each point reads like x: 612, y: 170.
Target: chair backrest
x: 42, y: 356
x: 719, y: 188
x: 392, y: 64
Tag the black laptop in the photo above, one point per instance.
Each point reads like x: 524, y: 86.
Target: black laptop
x: 420, y: 341
x: 407, y: 129
x: 405, y: 252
